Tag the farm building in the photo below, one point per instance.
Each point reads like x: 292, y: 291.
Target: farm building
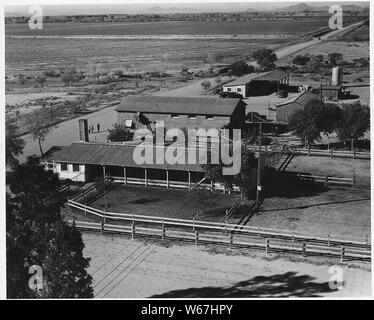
x: 285, y: 110
x: 181, y: 112
x: 331, y: 92
x: 88, y: 161
x: 258, y: 84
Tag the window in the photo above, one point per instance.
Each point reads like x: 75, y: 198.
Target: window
x: 209, y: 117
x: 192, y: 116
x: 64, y: 167
x: 239, y: 90
x: 228, y: 89
x: 175, y: 116
x: 75, y: 167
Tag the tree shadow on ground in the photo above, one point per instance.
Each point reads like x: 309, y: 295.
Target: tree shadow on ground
x: 285, y: 285
x: 287, y: 184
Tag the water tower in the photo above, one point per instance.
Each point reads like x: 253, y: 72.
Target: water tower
x: 337, y: 76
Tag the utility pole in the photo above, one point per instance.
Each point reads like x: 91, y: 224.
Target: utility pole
x: 258, y: 170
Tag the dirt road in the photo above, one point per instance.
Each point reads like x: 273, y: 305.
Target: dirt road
x: 124, y: 268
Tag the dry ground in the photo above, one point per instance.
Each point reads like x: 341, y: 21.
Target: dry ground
x: 335, y: 167
x: 162, y: 202
x: 124, y: 268
x: 342, y: 212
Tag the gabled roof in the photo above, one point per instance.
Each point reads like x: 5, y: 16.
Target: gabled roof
x: 275, y: 75
x: 115, y: 155
x: 179, y: 105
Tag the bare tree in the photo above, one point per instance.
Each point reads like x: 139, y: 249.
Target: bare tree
x: 40, y: 123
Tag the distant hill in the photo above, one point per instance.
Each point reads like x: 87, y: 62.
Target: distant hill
x: 303, y: 7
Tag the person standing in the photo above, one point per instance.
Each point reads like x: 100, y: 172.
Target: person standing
x: 98, y: 127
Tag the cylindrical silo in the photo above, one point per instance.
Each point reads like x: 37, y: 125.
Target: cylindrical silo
x: 337, y: 76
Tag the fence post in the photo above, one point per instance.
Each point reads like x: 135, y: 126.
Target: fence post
x: 293, y: 236
x: 366, y: 241
x: 328, y: 239
x: 326, y: 180
x: 231, y: 239
x: 163, y: 231
x: 73, y: 223
x: 68, y: 207
x: 267, y: 245
x: 196, y: 237
x: 353, y: 178
x: 193, y: 222
x: 342, y: 254
x: 258, y: 231
x: 331, y: 153
x: 354, y: 154
x: 133, y: 228
x: 308, y: 150
x: 102, y: 227
x: 303, y: 252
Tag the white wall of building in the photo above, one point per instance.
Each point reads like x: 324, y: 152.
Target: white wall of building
x: 237, y: 89
x: 78, y: 176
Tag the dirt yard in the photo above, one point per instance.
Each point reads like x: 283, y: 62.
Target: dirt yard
x: 163, y: 203
x: 336, y: 167
x: 124, y: 268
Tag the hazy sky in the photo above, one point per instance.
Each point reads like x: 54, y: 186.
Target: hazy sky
x: 60, y: 7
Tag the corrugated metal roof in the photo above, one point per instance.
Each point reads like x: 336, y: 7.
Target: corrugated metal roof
x: 114, y: 155
x: 179, y: 105
x: 245, y: 79
x: 275, y: 75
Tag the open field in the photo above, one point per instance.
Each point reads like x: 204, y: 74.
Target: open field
x: 258, y: 27
x: 123, y: 268
x: 162, y: 203
x: 30, y: 55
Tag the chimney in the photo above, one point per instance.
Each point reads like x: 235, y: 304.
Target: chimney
x: 83, y: 130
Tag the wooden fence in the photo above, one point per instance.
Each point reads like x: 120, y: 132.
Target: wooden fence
x: 222, y: 233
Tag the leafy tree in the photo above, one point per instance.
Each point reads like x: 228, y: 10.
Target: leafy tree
x: 13, y: 144
x: 40, y: 124
x: 119, y: 133
x: 307, y: 122
x: 314, y: 65
x: 301, y: 60
x: 243, y: 179
x: 22, y: 80
x: 265, y: 58
x: 201, y: 200
x: 37, y: 235
x: 354, y: 122
x: 41, y: 80
x: 206, y: 85
x: 335, y: 58
x: 68, y: 77
x: 240, y: 68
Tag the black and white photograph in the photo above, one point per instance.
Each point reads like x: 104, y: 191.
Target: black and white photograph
x: 161, y: 150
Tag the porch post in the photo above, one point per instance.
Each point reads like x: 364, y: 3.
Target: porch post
x: 167, y: 179
x: 189, y: 179
x: 145, y: 177
x: 103, y: 172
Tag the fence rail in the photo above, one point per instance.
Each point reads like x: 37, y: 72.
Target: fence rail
x: 220, y: 233
x: 266, y: 244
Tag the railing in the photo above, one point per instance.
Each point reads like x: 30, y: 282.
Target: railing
x: 222, y: 233
x: 328, y: 180
x: 333, y: 153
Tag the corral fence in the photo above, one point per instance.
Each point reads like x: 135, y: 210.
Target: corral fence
x: 232, y: 235
x: 332, y: 153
